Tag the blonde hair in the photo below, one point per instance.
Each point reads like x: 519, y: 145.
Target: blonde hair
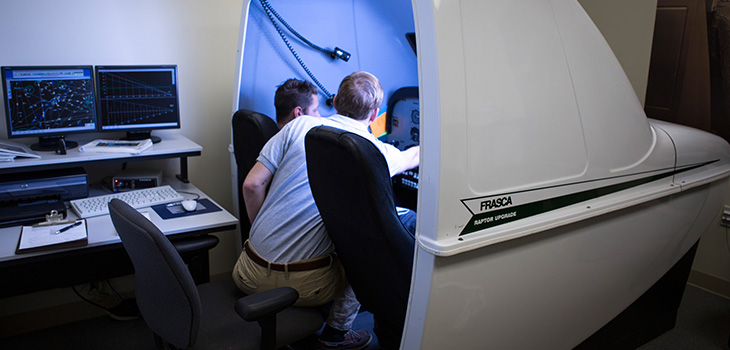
x: 358, y: 95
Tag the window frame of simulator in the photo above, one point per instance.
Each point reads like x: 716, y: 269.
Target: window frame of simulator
x: 405, y: 185
x: 396, y: 98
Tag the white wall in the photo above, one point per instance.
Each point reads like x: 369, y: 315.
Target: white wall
x: 628, y: 26
x: 199, y: 36
x: 711, y: 268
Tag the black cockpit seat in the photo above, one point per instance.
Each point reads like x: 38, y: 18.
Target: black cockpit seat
x: 352, y: 188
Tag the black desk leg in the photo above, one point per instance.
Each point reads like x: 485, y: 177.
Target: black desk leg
x: 199, y: 268
x: 183, y: 176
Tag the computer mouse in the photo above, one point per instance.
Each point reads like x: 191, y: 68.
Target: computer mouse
x: 189, y: 204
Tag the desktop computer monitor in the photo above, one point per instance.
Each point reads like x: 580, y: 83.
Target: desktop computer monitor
x: 49, y: 102
x: 137, y: 99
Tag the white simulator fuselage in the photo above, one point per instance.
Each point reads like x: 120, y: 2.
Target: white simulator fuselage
x: 547, y: 201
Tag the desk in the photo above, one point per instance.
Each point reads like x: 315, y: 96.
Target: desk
x: 175, y: 146
x: 103, y: 257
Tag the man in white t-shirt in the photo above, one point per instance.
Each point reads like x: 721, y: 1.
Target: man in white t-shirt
x: 288, y: 244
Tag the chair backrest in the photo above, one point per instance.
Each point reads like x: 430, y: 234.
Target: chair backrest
x: 351, y: 185
x: 166, y: 294
x: 251, y: 131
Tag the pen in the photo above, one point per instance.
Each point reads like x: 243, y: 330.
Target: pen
x: 64, y: 229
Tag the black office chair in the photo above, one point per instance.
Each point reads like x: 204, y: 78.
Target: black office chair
x: 183, y: 315
x: 351, y: 186
x: 251, y: 131
x: 194, y: 252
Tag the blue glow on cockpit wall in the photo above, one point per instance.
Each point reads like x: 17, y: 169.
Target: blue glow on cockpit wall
x: 372, y: 31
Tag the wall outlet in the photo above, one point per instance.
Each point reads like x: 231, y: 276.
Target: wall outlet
x: 725, y: 218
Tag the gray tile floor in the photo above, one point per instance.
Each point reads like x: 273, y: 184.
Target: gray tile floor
x: 703, y: 323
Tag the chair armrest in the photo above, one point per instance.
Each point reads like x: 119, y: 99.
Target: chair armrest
x: 195, y: 244
x: 194, y: 253
x: 255, y: 306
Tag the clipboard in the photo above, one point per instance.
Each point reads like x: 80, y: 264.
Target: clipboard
x: 45, y: 237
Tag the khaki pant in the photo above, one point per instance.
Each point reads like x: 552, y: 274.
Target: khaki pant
x: 315, y: 287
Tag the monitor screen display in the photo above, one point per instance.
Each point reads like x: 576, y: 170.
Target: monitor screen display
x: 49, y: 101
x: 403, y: 118
x: 137, y: 98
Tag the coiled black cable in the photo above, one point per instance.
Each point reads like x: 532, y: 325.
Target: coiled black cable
x: 270, y: 12
x: 268, y: 6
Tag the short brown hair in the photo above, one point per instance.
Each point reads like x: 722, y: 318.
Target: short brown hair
x: 358, y: 95
x: 291, y: 94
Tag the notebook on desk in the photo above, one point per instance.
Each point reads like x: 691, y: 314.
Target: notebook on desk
x: 37, y: 238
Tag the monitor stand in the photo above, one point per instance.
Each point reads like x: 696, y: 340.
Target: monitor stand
x: 141, y: 135
x: 50, y: 143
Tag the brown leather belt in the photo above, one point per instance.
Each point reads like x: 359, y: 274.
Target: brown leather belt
x: 295, y: 266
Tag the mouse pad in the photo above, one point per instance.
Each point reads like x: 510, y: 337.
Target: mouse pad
x: 175, y: 209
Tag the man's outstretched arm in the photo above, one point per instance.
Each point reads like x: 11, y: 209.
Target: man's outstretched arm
x: 413, y: 157
x: 254, y: 189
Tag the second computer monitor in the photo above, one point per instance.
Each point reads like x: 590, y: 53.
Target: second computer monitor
x: 137, y: 99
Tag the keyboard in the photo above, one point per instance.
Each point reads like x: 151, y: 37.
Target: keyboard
x: 95, y: 206
x: 407, y: 179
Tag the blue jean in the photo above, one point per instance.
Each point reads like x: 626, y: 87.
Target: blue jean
x: 344, y: 310
x: 408, y: 219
